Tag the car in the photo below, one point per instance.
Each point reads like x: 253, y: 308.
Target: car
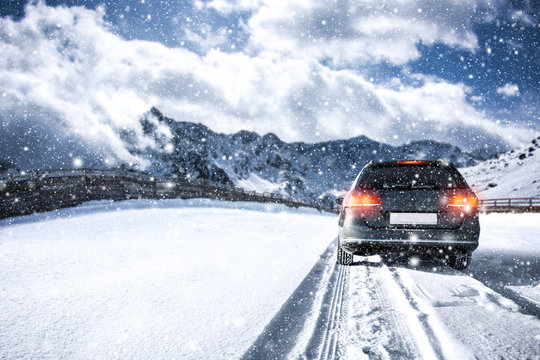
x: 409, y: 206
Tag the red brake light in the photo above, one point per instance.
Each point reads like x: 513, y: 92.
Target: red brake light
x: 467, y: 203
x: 361, y: 200
x: 412, y: 162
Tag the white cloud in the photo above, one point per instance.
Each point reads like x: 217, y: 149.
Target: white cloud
x: 228, y: 6
x: 64, y: 73
x: 477, y: 98
x: 206, y: 39
x: 522, y: 17
x: 508, y: 90
x: 361, y: 31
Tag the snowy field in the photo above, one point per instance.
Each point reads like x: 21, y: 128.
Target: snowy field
x: 195, y: 279
x: 141, y: 279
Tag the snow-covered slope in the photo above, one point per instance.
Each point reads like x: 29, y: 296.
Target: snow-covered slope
x: 509, y: 175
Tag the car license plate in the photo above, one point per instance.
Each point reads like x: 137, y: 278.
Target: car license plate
x: 413, y: 218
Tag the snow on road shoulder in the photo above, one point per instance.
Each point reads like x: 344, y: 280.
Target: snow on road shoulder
x: 151, y: 279
x: 509, y: 254
x: 505, y: 232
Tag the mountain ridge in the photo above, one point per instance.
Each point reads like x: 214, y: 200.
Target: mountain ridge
x: 310, y: 171
x: 265, y: 162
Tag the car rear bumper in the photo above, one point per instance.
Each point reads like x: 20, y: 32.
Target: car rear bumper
x: 373, y: 246
x: 361, y: 239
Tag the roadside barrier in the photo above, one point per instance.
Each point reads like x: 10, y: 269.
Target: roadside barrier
x: 510, y: 205
x: 27, y: 192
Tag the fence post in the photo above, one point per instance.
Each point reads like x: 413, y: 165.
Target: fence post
x: 36, y: 180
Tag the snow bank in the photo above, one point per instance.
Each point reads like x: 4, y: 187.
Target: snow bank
x: 151, y: 279
x: 510, y: 232
x: 509, y: 254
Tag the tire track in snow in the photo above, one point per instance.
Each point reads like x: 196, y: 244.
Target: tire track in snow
x: 423, y: 317
x: 388, y: 319
x: 374, y: 329
x: 365, y: 310
x: 324, y: 343
x: 526, y: 306
x: 412, y: 335
x: 468, y: 317
x: 309, y: 324
x: 281, y: 336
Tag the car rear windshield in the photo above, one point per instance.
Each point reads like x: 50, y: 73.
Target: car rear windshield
x: 409, y: 177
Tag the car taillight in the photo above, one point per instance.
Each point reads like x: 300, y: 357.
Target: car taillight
x: 412, y: 162
x: 361, y: 200
x: 465, y: 202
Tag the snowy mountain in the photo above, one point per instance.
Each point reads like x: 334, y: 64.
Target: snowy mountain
x: 513, y: 174
x: 266, y: 163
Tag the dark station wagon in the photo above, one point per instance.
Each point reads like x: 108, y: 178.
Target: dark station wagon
x: 409, y: 206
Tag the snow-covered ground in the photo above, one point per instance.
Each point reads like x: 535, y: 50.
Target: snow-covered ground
x: 397, y: 312
x: 418, y: 308
x: 513, y: 174
x: 143, y: 279
x: 256, y: 183
x: 203, y: 279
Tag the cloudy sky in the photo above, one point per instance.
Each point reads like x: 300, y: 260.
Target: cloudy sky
x: 74, y: 73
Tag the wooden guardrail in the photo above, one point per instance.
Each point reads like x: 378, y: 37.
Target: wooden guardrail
x: 510, y: 205
x: 43, y: 190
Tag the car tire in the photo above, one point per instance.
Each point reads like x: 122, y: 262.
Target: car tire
x: 459, y: 262
x: 343, y: 257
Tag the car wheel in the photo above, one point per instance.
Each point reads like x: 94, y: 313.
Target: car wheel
x: 459, y: 262
x: 343, y: 257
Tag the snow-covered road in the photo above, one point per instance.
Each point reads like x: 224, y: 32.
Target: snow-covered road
x: 431, y: 312
x: 209, y: 279
x: 419, y: 308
